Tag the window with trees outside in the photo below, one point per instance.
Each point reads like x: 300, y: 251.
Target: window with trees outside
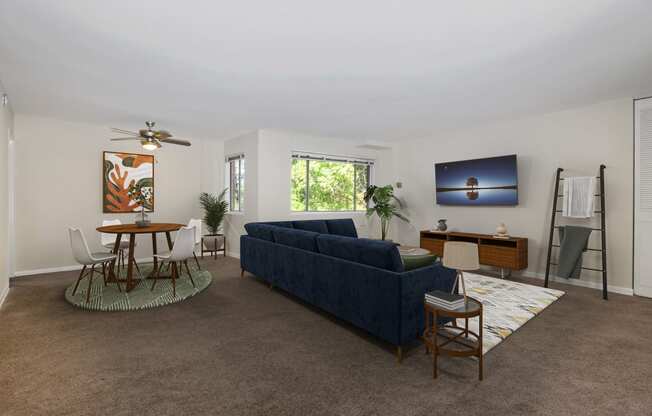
x: 329, y: 183
x: 235, y: 181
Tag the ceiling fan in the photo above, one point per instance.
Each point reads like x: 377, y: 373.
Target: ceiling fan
x: 149, y: 138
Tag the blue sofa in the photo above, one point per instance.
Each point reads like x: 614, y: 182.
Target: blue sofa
x: 359, y: 280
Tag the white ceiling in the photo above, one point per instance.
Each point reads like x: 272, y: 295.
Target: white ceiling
x: 357, y: 69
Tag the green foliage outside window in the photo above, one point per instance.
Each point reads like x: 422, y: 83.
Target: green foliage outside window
x: 328, y: 186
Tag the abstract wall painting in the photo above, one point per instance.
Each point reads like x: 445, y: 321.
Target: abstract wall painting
x: 128, y: 182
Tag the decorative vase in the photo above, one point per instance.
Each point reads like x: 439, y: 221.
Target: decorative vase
x: 142, y: 219
x: 441, y: 225
x: 501, y: 230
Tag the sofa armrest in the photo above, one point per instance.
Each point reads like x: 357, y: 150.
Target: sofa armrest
x: 414, y: 284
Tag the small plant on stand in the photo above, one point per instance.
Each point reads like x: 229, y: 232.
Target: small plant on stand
x: 215, y: 208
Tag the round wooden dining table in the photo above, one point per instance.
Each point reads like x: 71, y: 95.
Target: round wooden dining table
x: 133, y: 230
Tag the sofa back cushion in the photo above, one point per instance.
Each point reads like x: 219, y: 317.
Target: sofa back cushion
x: 284, y: 224
x: 344, y: 227
x: 376, y: 253
x: 259, y: 230
x: 305, y: 240
x: 316, y: 226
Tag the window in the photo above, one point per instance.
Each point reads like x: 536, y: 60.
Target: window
x: 328, y: 183
x: 235, y: 180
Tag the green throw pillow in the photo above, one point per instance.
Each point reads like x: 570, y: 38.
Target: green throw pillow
x: 415, y: 262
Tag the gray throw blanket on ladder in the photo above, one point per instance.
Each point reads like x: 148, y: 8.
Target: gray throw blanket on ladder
x: 573, y: 242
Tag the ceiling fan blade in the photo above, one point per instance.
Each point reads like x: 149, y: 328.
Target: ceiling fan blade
x: 125, y: 138
x: 162, y: 134
x: 175, y: 141
x: 123, y: 131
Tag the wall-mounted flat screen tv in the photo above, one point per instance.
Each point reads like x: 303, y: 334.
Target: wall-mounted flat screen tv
x: 489, y: 181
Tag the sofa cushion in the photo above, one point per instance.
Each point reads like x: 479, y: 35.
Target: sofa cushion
x: 344, y: 227
x: 376, y: 253
x: 415, y: 262
x: 262, y: 231
x: 305, y: 240
x: 317, y: 226
x: 284, y: 224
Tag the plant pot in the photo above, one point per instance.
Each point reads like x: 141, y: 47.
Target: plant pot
x: 213, y: 242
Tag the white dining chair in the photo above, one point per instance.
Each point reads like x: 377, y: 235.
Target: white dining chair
x: 182, y: 249
x: 197, y: 225
x: 83, y: 255
x: 108, y: 241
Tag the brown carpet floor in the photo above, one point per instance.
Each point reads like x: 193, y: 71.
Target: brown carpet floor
x: 239, y: 348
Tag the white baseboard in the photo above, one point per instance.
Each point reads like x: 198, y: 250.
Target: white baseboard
x: 3, y: 295
x: 583, y: 283
x: 64, y: 268
x: 233, y: 254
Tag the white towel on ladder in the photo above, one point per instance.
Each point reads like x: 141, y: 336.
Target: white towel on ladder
x: 578, y: 197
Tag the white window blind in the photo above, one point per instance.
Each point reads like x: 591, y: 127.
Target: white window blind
x: 331, y: 158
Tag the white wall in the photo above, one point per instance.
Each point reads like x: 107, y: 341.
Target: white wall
x: 59, y: 184
x: 6, y: 128
x: 212, y: 166
x: 578, y: 140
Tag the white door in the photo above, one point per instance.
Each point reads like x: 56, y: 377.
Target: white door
x: 643, y: 197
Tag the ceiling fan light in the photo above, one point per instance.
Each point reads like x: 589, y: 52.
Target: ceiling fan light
x: 150, y: 145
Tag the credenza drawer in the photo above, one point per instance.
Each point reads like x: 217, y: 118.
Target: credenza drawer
x: 506, y: 257
x: 436, y: 247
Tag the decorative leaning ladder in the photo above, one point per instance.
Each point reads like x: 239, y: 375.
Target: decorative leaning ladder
x: 602, y: 229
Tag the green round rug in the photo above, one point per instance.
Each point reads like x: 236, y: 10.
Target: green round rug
x: 108, y: 298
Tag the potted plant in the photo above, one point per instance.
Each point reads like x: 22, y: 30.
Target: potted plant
x: 215, y: 207
x: 385, y: 205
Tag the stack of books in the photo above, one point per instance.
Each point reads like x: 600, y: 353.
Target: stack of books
x: 445, y: 300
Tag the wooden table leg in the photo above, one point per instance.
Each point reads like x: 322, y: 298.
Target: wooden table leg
x: 169, y: 238
x: 116, y: 248
x: 155, y: 259
x: 130, y: 262
x: 480, y: 363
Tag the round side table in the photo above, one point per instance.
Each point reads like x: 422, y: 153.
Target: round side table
x: 467, y: 343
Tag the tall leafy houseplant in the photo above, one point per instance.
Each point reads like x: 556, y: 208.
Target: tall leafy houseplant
x: 385, y: 205
x: 214, y: 209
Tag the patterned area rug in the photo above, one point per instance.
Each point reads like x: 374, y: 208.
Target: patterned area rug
x: 507, y: 305
x: 108, y: 298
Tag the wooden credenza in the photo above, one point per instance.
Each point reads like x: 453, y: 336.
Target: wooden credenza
x: 505, y: 253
